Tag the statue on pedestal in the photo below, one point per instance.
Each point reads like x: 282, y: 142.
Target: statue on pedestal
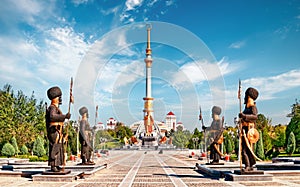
x: 249, y: 133
x: 85, y: 137
x: 216, y: 135
x: 54, y: 124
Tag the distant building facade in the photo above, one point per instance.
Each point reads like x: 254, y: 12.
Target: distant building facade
x: 111, y: 123
x: 100, y: 126
x: 171, y: 122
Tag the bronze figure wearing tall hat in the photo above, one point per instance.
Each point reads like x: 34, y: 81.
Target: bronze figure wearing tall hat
x: 54, y: 124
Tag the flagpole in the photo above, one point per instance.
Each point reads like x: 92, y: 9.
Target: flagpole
x: 240, y: 126
x: 204, y: 133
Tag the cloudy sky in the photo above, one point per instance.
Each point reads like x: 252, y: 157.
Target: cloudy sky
x: 200, y: 51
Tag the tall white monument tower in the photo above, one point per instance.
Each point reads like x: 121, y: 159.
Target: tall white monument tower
x: 148, y: 106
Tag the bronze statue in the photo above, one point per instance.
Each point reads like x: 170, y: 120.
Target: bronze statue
x: 85, y: 137
x: 216, y: 135
x: 54, y: 124
x: 249, y: 133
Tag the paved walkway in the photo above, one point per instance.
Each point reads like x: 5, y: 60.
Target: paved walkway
x: 149, y: 168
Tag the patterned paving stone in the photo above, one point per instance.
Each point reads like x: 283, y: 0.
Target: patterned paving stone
x: 136, y: 169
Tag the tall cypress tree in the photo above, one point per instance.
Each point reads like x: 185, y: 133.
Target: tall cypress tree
x: 38, y: 147
x: 14, y: 143
x: 291, y: 145
x: 259, y: 151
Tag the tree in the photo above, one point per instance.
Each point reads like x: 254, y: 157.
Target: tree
x: 21, y: 117
x: 259, y: 147
x: 228, y: 144
x: 291, y: 146
x: 7, y: 113
x: 279, y: 138
x: 24, y: 150
x: 264, y: 125
x: 181, y: 138
x: 14, y: 144
x: 196, y: 134
x: 294, y: 126
x: 72, y: 137
x: 101, y: 135
x: 8, y: 150
x: 120, y: 132
x: 179, y: 128
x: 38, y: 147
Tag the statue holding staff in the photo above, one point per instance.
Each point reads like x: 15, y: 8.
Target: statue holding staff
x: 216, y: 135
x: 248, y: 133
x: 85, y: 137
x: 54, y: 124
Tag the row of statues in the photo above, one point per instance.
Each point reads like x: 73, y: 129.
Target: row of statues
x: 55, y: 122
x: 247, y: 132
x: 54, y: 125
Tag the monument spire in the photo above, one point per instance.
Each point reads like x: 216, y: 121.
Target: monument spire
x: 148, y: 106
x: 148, y: 50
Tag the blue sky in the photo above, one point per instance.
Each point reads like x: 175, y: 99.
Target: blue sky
x: 200, y: 51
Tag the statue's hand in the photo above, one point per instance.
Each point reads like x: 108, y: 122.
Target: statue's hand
x: 68, y: 116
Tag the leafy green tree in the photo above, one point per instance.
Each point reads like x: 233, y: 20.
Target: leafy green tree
x: 21, y: 117
x: 7, y: 113
x: 14, y: 143
x: 179, y: 128
x: 259, y: 147
x: 291, y: 146
x: 120, y: 132
x: 38, y: 147
x: 228, y: 144
x: 264, y: 125
x: 8, y: 150
x: 294, y: 126
x: 24, y: 150
x: 196, y: 134
x: 279, y: 137
x: 112, y: 133
x: 181, y: 138
x: 72, y: 137
x: 100, y: 135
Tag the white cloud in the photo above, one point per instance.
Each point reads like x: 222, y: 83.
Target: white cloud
x: 133, y: 4
x: 29, y: 11
x: 198, y: 72
x: 79, y: 2
x: 64, y: 51
x: 237, y: 45
x: 116, y: 75
x: 270, y: 86
x: 109, y: 11
x: 169, y: 3
x: 13, y: 67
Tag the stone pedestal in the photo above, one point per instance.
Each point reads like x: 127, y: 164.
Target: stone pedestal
x: 62, y: 172
x: 248, y: 176
x: 214, y: 163
x: 69, y: 177
x: 149, y: 141
x: 254, y: 172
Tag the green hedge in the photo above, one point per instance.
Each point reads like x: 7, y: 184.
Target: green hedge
x: 33, y: 158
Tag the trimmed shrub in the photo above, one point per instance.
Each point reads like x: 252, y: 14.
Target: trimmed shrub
x: 24, y: 150
x: 8, y: 150
x: 15, y: 145
x: 33, y: 158
x: 291, y: 145
x: 38, y: 147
